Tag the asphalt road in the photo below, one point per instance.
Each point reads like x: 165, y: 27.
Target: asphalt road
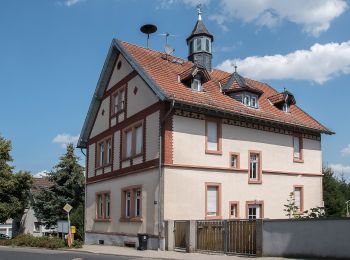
x: 7, y: 253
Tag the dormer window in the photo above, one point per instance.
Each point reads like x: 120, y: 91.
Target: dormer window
x: 196, y: 85
x: 286, y: 107
x: 247, y: 100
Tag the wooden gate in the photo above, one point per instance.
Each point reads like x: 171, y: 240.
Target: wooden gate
x: 180, y: 234
x: 227, y: 236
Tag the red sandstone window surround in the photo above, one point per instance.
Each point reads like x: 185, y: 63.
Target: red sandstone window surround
x: 234, y: 160
x: 212, y: 200
x: 234, y: 209
x: 298, y: 191
x: 104, y: 152
x: 213, y: 136
x: 103, y: 206
x: 133, y: 141
x: 254, y: 167
x: 131, y: 209
x: 255, y: 209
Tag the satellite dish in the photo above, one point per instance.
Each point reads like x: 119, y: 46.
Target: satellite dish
x: 168, y: 49
x: 148, y: 29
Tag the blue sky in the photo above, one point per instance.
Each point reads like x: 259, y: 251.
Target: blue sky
x: 52, y: 52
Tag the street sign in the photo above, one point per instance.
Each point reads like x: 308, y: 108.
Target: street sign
x: 62, y: 226
x: 67, y: 208
x: 73, y: 229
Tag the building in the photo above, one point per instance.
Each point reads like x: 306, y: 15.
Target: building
x: 174, y: 139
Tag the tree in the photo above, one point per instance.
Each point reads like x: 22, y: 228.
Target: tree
x: 68, y: 187
x: 14, y: 188
x: 335, y: 193
x: 290, y: 208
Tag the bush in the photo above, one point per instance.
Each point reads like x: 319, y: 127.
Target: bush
x: 31, y: 241
x: 77, y: 244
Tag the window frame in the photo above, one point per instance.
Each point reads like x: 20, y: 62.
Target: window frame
x: 121, y: 100
x: 218, y: 200
x: 231, y: 203
x: 301, y: 187
x: 259, y: 203
x: 104, y: 142
x: 286, y: 107
x: 103, y: 216
x: 199, y: 89
x: 132, y: 217
x: 218, y: 122
x: 132, y: 128
x: 258, y: 180
x: 238, y: 166
x: 301, y: 143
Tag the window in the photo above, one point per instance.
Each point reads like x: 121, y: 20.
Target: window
x: 255, y: 209
x: 132, y: 205
x: 253, y: 102
x: 104, y: 152
x: 138, y: 203
x: 103, y: 205
x: 198, y: 44
x: 191, y: 46
x: 118, y: 101
x: 299, y: 197
x: 133, y: 141
x: 213, y: 201
x: 207, y: 45
x: 234, y: 209
x: 254, y: 167
x: 196, y: 85
x: 239, y: 98
x: 285, y: 107
x: 297, y: 148
x: 234, y: 160
x: 213, y: 136
x: 37, y: 226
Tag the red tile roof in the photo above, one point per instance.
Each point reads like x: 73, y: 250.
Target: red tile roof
x: 165, y: 73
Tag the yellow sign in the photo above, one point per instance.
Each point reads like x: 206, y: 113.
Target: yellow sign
x: 67, y: 208
x: 73, y: 229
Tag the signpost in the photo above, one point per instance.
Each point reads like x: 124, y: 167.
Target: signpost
x: 67, y: 208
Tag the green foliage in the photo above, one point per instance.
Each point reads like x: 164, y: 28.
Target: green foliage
x: 317, y: 212
x: 31, y: 241
x: 336, y: 191
x: 68, y: 187
x: 290, y: 208
x: 77, y: 219
x: 77, y: 244
x: 14, y: 188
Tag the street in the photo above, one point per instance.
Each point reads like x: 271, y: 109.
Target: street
x: 7, y: 253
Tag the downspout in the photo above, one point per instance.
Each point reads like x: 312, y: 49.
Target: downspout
x: 160, y: 224
x: 85, y: 192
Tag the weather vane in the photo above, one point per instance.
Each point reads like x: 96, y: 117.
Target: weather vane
x: 199, y: 10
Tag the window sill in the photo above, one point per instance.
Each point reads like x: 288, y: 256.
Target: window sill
x: 213, y: 152
x: 132, y: 219
x: 213, y: 217
x: 102, y: 220
x: 103, y: 166
x: 298, y: 160
x: 254, y: 181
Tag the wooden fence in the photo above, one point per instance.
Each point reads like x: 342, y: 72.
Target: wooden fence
x: 180, y: 234
x: 227, y: 236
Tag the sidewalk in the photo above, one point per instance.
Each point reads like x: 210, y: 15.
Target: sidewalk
x: 127, y: 251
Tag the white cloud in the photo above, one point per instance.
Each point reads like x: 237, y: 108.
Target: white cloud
x: 340, y: 168
x: 314, y: 16
x: 65, y: 139
x: 318, y: 64
x: 345, y: 151
x: 70, y: 3
x: 41, y: 174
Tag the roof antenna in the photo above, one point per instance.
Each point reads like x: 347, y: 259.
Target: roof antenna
x: 148, y: 29
x: 166, y: 36
x: 199, y: 11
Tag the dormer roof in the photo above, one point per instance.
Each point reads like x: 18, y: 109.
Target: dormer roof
x: 283, y: 97
x: 237, y: 83
x: 193, y: 71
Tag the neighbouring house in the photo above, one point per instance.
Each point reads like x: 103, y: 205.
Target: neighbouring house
x: 28, y: 223
x: 6, y: 228
x: 173, y: 139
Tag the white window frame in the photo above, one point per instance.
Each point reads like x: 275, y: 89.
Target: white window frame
x: 196, y: 85
x: 254, y: 211
x: 286, y: 107
x: 128, y: 203
x: 138, y: 201
x: 254, y: 166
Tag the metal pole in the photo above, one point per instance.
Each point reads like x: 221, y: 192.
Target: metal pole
x: 69, y: 235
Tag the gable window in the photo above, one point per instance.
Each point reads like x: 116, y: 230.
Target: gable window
x: 299, y: 197
x: 234, y: 160
x: 196, y: 85
x: 118, y: 101
x: 213, y: 136
x: 234, y: 209
x: 255, y: 209
x: 103, y: 206
x: 133, y: 141
x: 297, y: 148
x: 254, y: 167
x: 213, y: 201
x: 104, y: 153
x: 132, y: 203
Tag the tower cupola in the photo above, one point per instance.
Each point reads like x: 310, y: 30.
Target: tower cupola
x: 200, y: 44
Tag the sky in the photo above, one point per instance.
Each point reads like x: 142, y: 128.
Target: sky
x: 52, y: 53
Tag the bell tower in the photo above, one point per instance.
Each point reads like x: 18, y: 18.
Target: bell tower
x: 200, y: 44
